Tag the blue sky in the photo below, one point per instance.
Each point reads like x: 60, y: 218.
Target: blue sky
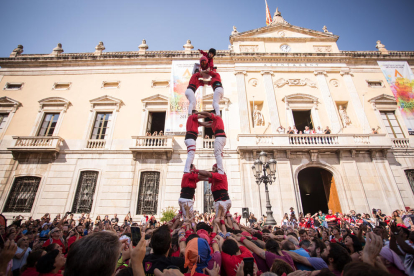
x: 166, y: 25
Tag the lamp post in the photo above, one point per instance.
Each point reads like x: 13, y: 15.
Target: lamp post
x: 268, y: 176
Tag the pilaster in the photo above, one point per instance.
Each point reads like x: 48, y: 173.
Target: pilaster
x: 243, y: 108
x: 356, y: 102
x: 327, y: 98
x: 271, y: 100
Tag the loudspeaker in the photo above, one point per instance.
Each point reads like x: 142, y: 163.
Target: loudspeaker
x: 245, y: 213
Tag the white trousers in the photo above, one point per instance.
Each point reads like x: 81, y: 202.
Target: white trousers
x: 190, y: 94
x: 226, y: 205
x: 191, y: 147
x: 218, y: 95
x: 185, y: 201
x: 219, y: 144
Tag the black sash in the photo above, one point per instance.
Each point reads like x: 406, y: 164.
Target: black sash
x: 191, y: 135
x: 220, y: 133
x: 221, y: 195
x: 187, y: 193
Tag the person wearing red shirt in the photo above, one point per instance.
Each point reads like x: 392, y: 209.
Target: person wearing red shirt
x: 210, y: 55
x: 191, y: 137
x: 188, y: 186
x: 55, y: 238
x: 219, y: 188
x: 331, y: 219
x: 195, y: 83
x: 232, y: 255
x: 78, y: 233
x: 217, y: 126
x: 336, y: 237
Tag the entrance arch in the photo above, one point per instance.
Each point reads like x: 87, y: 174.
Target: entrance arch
x: 318, y: 190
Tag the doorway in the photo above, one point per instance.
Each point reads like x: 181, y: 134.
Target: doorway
x: 156, y: 122
x: 318, y: 191
x: 302, y: 119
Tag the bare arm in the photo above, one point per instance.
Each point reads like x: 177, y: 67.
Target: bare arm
x: 254, y: 248
x: 298, y: 258
x: 205, y: 124
x: 204, y: 113
x: 205, y: 173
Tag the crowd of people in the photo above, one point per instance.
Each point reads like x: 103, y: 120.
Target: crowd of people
x: 307, y: 130
x: 211, y: 244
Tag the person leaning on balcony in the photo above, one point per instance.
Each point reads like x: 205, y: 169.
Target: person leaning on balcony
x: 319, y: 130
x: 295, y: 130
x: 280, y: 130
x: 327, y: 130
x: 290, y: 131
x: 307, y: 130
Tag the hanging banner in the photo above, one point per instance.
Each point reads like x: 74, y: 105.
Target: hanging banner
x: 176, y: 120
x: 401, y: 80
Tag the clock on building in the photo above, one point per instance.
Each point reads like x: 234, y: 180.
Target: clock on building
x: 285, y: 48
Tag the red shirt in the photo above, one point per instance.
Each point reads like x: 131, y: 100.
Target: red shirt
x: 30, y: 271
x: 72, y: 240
x: 192, y: 123
x: 55, y: 241
x: 217, y: 125
x: 210, y: 60
x: 218, y: 182
x: 333, y: 240
x: 229, y: 262
x: 189, y: 180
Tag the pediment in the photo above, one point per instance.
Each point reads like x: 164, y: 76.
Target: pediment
x: 383, y: 99
x: 300, y: 98
x: 106, y: 100
x: 54, y: 101
x: 158, y: 98
x: 8, y: 101
x: 283, y: 32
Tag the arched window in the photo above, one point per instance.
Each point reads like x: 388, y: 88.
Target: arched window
x: 410, y: 177
x: 148, y: 193
x: 85, y: 192
x: 22, y: 194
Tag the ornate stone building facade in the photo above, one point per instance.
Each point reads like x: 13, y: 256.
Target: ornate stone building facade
x: 73, y: 126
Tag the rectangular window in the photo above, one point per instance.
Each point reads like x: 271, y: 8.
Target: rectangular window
x: 110, y: 84
x: 374, y: 83
x: 61, y: 85
x: 49, y: 124
x: 101, y: 126
x: 391, y: 124
x: 156, y: 122
x: 22, y: 194
x: 85, y: 192
x: 148, y: 193
x: 13, y: 86
x: 3, y: 120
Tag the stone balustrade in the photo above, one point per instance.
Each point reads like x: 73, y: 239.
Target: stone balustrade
x: 400, y: 142
x: 33, y: 144
x: 96, y: 144
x: 208, y: 143
x: 152, y: 144
x: 310, y: 141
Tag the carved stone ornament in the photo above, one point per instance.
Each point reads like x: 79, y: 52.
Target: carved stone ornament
x: 334, y: 82
x: 187, y: 47
x: 17, y: 51
x: 253, y: 82
x: 234, y: 32
x: 281, y: 34
x: 344, y: 116
x: 322, y: 49
x: 381, y: 47
x: 58, y: 49
x: 295, y: 82
x: 325, y: 29
x: 278, y: 19
x: 143, y: 47
x: 258, y: 118
x: 100, y: 46
x: 249, y: 48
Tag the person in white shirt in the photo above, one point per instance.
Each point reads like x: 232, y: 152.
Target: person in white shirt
x: 281, y: 130
x: 295, y: 129
x: 21, y: 254
x: 319, y: 130
x: 307, y: 130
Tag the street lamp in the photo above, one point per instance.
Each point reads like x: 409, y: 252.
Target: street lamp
x: 265, y: 172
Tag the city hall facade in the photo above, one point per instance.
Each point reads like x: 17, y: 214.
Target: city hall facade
x: 73, y: 128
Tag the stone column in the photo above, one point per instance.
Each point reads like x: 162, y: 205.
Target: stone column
x: 356, y: 102
x: 271, y: 100
x: 242, y: 96
x: 328, y: 101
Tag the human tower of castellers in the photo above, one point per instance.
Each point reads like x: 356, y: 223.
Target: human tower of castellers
x: 206, y: 75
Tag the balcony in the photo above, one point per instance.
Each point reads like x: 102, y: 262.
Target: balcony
x: 315, y: 141
x: 400, y: 143
x: 96, y: 144
x: 36, y: 144
x: 152, y: 144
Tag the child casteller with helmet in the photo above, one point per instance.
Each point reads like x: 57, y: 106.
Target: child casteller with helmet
x: 210, y: 55
x: 207, y: 68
